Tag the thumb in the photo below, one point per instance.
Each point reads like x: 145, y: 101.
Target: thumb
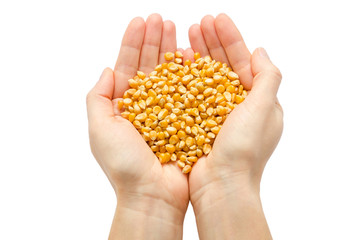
x: 99, y: 99
x: 267, y: 77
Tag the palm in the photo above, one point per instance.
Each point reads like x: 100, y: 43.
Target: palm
x: 251, y: 132
x: 143, y: 47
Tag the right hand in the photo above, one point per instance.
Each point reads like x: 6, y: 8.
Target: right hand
x: 141, y: 183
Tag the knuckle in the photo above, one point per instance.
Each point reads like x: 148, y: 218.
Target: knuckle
x: 275, y: 73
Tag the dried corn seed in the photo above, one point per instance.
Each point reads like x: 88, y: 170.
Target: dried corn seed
x: 141, y: 117
x: 181, y: 164
x: 162, y: 114
x: 196, y: 55
x: 186, y: 169
x: 239, y: 99
x: 137, y: 124
x: 131, y: 117
x: 164, y: 157
x: 232, y: 76
x: 169, y: 56
x: 207, y: 148
x: 170, y: 148
x: 192, y: 158
x: 120, y: 104
x: 173, y: 139
x: 171, y: 130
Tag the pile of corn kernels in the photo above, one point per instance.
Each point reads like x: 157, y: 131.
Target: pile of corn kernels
x: 179, y: 108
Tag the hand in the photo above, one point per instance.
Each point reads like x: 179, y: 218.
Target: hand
x: 226, y: 182
x: 154, y: 196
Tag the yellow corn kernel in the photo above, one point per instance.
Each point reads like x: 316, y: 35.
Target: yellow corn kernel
x: 189, y: 121
x: 169, y: 56
x: 239, y: 99
x: 176, y: 125
x: 227, y: 96
x: 120, y: 104
x: 211, y: 123
x: 156, y: 109
x: 131, y: 117
x: 141, y: 117
x: 231, y: 88
x: 127, y: 102
x: 181, y: 164
x: 210, y: 135
x: 162, y: 149
x: 162, y: 114
x: 149, y: 101
x: 160, y: 135
x: 171, y: 130
x: 125, y: 114
x: 197, y: 55
x: 215, y: 130
x: 181, y: 89
x: 232, y: 76
x: 173, y: 117
x: 207, y: 92
x: 190, y: 141
x: 209, y: 81
x: 181, y: 134
x: 206, y: 148
x: 169, y: 106
x: 164, y: 157
x: 210, y: 111
x: 187, y: 169
x: 210, y: 72
x: 192, y: 158
x: 148, y: 122
x: 173, y: 140
x: 170, y: 148
x: 137, y: 124
x: 161, y: 142
x: 173, y: 157
x: 153, y: 135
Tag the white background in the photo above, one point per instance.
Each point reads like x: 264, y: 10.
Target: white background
x: 53, y: 52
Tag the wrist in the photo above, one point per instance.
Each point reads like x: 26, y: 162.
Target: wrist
x: 219, y: 192
x: 144, y: 217
x: 229, y: 210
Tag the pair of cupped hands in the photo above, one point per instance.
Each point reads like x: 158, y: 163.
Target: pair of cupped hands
x: 143, y: 186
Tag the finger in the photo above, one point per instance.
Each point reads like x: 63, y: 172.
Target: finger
x: 129, y: 54
x: 197, y: 40
x: 99, y: 99
x: 267, y: 76
x: 235, y: 48
x: 181, y: 50
x: 188, y: 54
x: 151, y: 43
x: 212, y: 40
x: 168, y: 40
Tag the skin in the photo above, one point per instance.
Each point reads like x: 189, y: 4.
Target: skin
x: 152, y: 195
x: 224, y: 186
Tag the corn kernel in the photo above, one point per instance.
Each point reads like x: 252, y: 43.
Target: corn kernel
x: 169, y: 56
x: 197, y: 55
x: 186, y: 169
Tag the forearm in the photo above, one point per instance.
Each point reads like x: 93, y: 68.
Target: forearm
x: 147, y: 220
x: 231, y: 214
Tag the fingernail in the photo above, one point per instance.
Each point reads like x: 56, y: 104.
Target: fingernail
x: 263, y: 53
